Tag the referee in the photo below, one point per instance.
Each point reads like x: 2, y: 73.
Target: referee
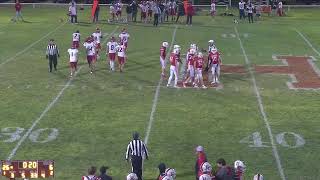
x: 136, y: 150
x: 52, y: 54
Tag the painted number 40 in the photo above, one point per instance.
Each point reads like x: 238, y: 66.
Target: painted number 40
x: 285, y: 139
x: 12, y: 134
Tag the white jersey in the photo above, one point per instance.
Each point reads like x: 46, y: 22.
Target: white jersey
x: 213, y: 7
x: 97, y: 36
x: 280, y: 5
x: 205, y: 177
x: 90, y: 177
x: 73, y: 53
x: 76, y: 37
x: 112, y: 47
x: 90, y: 48
x: 122, y: 51
x: 112, y: 9
x: 124, y: 37
x: 144, y: 8
x: 241, y: 5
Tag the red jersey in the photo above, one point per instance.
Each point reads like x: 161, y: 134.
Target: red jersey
x: 198, y: 62
x: 190, y: 59
x: 161, y: 176
x: 215, y: 57
x: 174, y: 59
x: 163, y: 52
x: 18, y: 6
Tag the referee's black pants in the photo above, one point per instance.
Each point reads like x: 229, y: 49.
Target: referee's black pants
x: 136, y: 162
x: 53, y: 60
x: 156, y: 20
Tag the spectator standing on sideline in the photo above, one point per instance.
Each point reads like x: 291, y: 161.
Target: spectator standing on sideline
x: 156, y: 14
x: 134, y: 11
x: 224, y: 172
x: 280, y: 10
x: 250, y: 8
x: 73, y: 13
x: 129, y: 12
x: 135, y: 151
x: 162, y: 10
x: 52, y: 54
x: 180, y: 10
x: 190, y: 13
x: 241, y: 9
x: 103, y: 173
x: 18, y: 8
x: 201, y: 158
x: 96, y: 14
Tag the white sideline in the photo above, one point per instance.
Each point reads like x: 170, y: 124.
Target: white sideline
x: 307, y: 41
x: 156, y: 95
x: 49, y: 106
x: 31, y: 45
x: 261, y: 108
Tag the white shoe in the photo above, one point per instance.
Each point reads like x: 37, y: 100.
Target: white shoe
x: 196, y: 86
x: 204, y: 87
x: 168, y: 85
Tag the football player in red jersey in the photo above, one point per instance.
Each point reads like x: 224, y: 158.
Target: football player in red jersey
x: 215, y: 63
x: 163, y: 53
x: 174, y: 59
x: 111, y: 52
x: 190, y: 66
x: 198, y: 64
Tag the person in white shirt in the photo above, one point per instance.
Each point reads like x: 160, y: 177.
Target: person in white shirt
x: 97, y: 39
x: 213, y: 9
x: 73, y: 60
x: 241, y: 9
x: 250, y: 8
x: 111, y: 51
x: 280, y: 10
x: 73, y: 13
x: 76, y: 39
x: 91, y: 53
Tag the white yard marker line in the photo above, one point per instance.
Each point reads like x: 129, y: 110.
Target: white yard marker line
x: 156, y: 95
x: 46, y: 110
x: 307, y: 41
x: 31, y: 45
x: 261, y: 108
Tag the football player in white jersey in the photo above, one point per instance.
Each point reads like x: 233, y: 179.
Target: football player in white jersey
x: 124, y: 37
x: 97, y: 39
x: 111, y: 52
x: 206, y: 169
x: 258, y: 177
x: 76, y: 39
x: 73, y: 59
x: 171, y: 173
x: 91, y: 174
x: 239, y: 169
x: 121, y: 49
x: 163, y: 54
x: 91, y: 53
x: 132, y: 176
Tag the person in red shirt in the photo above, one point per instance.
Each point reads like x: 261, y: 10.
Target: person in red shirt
x: 190, y: 13
x: 198, y: 64
x: 201, y: 158
x: 174, y: 59
x: 215, y: 63
x: 18, y: 8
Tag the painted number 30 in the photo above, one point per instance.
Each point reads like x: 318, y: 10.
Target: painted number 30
x: 12, y: 134
x: 285, y: 139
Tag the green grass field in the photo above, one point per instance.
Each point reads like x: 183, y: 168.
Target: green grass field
x: 95, y: 115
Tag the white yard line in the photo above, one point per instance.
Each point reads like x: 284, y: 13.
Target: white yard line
x: 156, y: 95
x: 31, y: 45
x: 43, y: 113
x: 307, y: 41
x: 261, y: 108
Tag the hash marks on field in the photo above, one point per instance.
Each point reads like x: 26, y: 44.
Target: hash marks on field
x: 232, y: 35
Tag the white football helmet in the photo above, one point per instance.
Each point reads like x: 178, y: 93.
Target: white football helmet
x: 206, y: 167
x: 167, y: 178
x: 239, y: 166
x: 165, y: 44
x: 211, y: 41
x: 176, y: 51
x: 171, y: 172
x: 205, y: 177
x: 200, y: 54
x: 132, y: 176
x: 176, y: 47
x: 193, y: 51
x: 193, y: 46
x: 258, y: 177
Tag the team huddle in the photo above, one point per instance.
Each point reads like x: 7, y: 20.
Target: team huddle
x: 195, y: 63
x: 92, y: 45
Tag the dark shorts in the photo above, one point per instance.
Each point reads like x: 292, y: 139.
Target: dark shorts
x: 121, y: 60
x: 73, y: 65
x: 112, y: 56
x: 90, y: 59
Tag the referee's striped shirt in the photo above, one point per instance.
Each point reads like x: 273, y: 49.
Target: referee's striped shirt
x: 137, y: 148
x: 52, y: 49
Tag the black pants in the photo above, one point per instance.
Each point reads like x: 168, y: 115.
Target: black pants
x: 156, y: 19
x: 137, y: 166
x: 53, y: 60
x: 74, y: 19
x: 189, y: 19
x: 134, y: 16
x: 250, y: 17
x: 242, y: 14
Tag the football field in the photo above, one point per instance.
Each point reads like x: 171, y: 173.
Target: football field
x: 265, y: 112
